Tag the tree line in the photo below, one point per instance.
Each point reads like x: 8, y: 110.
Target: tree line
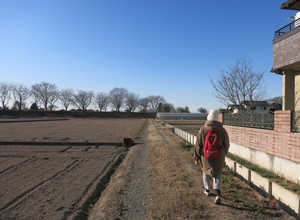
x: 239, y: 83
x: 46, y: 95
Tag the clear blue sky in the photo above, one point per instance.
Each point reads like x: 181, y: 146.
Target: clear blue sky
x: 150, y: 47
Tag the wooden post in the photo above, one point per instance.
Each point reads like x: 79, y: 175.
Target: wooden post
x: 270, y: 189
x: 234, y: 168
x: 299, y: 208
x: 249, y: 177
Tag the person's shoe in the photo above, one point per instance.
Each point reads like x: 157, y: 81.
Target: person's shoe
x: 206, y: 192
x: 217, y: 200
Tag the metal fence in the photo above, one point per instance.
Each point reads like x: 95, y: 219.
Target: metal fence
x: 251, y: 120
x: 296, y: 122
x: 287, y: 28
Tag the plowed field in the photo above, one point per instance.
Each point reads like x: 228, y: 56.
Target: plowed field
x: 190, y: 126
x: 52, y: 181
x: 73, y: 130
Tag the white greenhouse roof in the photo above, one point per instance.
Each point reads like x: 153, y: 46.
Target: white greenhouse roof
x: 195, y: 116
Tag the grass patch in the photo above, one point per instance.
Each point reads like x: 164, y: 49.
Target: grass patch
x: 186, y: 145
x: 289, y: 185
x: 228, y: 181
x: 140, y: 134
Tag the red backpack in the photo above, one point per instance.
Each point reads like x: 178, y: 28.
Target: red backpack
x: 212, y: 146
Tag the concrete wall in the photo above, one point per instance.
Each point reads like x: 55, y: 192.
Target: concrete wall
x: 283, y: 167
x: 185, y: 135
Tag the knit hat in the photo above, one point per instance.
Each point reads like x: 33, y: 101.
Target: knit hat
x: 213, y: 115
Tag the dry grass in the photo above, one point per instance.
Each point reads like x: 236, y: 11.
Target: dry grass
x: 177, y: 188
x: 175, y: 196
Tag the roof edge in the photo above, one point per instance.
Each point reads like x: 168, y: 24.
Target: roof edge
x: 290, y: 5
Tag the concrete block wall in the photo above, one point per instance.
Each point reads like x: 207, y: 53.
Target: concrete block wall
x: 185, y: 135
x: 288, y: 198
x: 261, y: 182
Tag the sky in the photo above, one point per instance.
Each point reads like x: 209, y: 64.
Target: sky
x: 150, y: 47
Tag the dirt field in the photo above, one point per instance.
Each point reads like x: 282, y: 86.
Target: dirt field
x: 59, y: 182
x: 190, y: 126
x: 73, y: 130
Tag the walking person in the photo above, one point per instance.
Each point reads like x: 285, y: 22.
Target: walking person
x: 211, y: 136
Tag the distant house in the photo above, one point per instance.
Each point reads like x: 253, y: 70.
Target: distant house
x: 286, y: 57
x: 274, y: 106
x: 254, y: 107
x: 233, y: 108
x: 257, y: 106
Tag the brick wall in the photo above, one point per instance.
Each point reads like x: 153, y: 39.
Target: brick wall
x: 280, y: 142
x: 286, y: 51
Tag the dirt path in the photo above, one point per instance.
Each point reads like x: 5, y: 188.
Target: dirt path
x: 128, y: 194
x: 158, y: 180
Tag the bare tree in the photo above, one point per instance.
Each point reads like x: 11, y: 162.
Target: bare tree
x: 66, y: 96
x: 144, y: 104
x: 239, y: 83
x: 117, y: 97
x: 202, y: 110
x: 102, y: 101
x: 16, y: 105
x: 52, y: 99
x: 20, y: 94
x: 5, y: 93
x: 132, y: 101
x: 44, y: 92
x: 82, y: 99
x: 155, y: 101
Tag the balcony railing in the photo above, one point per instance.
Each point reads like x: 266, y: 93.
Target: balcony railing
x: 288, y: 27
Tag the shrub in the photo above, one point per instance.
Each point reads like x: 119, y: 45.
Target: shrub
x: 186, y: 146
